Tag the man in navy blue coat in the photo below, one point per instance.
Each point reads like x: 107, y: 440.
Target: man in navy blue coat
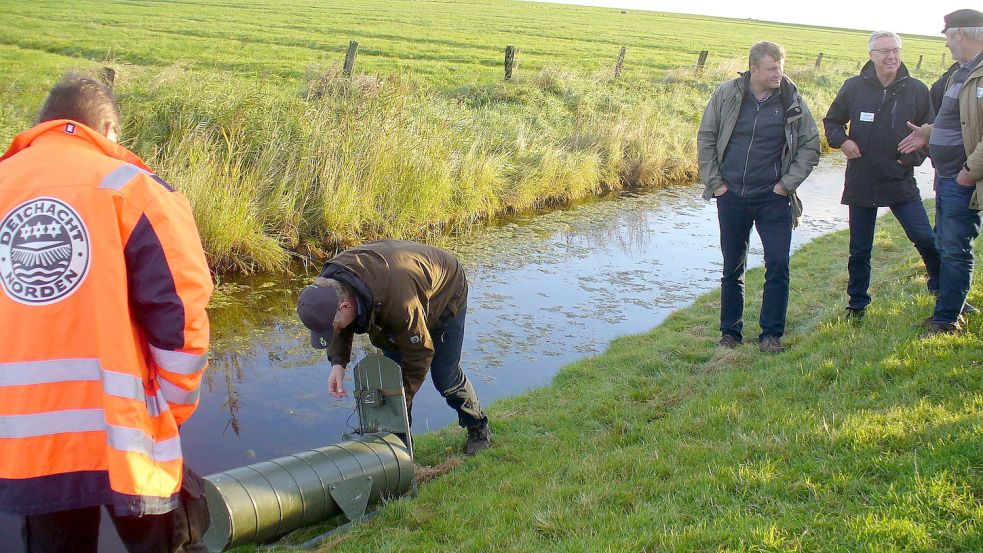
x: 876, y: 104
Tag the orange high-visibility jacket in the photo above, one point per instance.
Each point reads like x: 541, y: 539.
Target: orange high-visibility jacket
x: 103, y: 331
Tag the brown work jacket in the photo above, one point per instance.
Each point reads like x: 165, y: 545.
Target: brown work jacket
x: 412, y: 287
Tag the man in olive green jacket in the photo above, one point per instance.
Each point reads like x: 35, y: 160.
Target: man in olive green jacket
x: 757, y: 142
x: 801, y: 152
x: 411, y: 299
x: 955, y: 143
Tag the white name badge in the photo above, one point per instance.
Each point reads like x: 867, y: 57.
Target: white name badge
x: 979, y: 92
x: 866, y: 116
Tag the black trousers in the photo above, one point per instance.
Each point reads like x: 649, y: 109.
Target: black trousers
x: 915, y: 223
x: 448, y: 378
x: 77, y: 530
x: 771, y: 214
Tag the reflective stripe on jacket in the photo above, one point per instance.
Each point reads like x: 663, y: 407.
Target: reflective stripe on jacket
x: 103, y: 330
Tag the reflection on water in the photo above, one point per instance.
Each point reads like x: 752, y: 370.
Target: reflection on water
x: 545, y: 290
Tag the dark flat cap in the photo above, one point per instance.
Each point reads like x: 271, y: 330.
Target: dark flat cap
x: 317, y: 308
x: 963, y: 18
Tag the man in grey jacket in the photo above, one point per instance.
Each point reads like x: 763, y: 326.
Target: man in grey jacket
x: 757, y: 142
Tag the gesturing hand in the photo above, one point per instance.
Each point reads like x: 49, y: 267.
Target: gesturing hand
x: 914, y: 141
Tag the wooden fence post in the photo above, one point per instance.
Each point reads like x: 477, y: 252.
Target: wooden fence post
x: 509, y: 61
x: 702, y: 61
x: 943, y: 59
x: 819, y: 60
x: 919, y: 66
x: 619, y: 63
x: 109, y: 76
x: 350, y: 58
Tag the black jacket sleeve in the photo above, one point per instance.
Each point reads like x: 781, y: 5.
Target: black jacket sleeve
x: 837, y: 117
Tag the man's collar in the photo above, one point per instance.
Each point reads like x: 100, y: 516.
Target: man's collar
x: 72, y: 129
x: 973, y: 63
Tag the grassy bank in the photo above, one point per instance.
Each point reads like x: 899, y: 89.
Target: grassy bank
x: 276, y: 169
x: 340, y: 161
x: 862, y: 437
x: 245, y: 109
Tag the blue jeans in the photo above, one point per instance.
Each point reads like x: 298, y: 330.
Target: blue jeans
x: 771, y: 215
x: 915, y: 223
x: 956, y: 227
x: 445, y: 369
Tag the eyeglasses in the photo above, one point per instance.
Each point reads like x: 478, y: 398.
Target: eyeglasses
x: 886, y: 51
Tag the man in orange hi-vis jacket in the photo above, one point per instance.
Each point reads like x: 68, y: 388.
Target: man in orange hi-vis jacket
x: 103, y: 334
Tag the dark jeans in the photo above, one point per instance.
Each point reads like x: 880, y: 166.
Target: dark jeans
x: 77, y: 530
x: 771, y: 215
x: 956, y: 227
x: 915, y: 223
x: 445, y: 369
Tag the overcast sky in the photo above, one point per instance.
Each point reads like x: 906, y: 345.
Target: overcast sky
x: 907, y: 17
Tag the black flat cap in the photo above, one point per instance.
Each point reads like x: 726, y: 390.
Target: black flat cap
x: 963, y: 18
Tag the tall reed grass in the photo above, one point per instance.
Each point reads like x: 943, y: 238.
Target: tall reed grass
x: 285, y: 169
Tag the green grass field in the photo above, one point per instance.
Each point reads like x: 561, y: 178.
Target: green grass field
x: 448, y: 44
x: 864, y: 436
x: 242, y: 106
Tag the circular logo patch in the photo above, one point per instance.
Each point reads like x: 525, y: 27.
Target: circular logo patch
x: 44, y: 251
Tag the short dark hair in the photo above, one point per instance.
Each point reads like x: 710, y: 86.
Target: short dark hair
x: 762, y: 49
x: 81, y: 99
